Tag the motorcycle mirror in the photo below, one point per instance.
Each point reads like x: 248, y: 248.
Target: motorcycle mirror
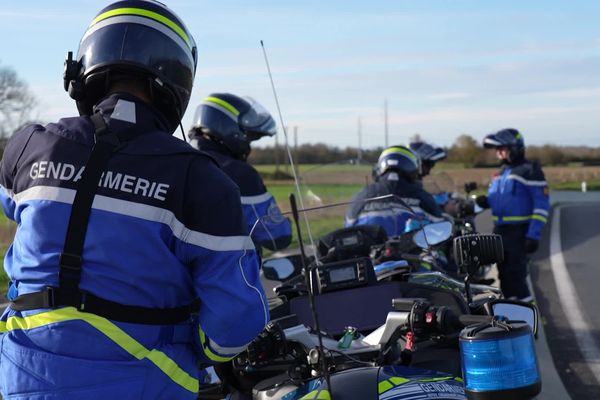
x: 432, y: 234
x: 515, y: 310
x: 278, y: 269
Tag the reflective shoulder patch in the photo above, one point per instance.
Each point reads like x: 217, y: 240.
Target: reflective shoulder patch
x: 124, y: 111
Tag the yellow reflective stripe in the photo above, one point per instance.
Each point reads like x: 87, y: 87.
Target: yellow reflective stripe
x: 517, y: 218
x: 223, y: 103
x: 444, y: 378
x: 317, y: 395
x: 2, y: 326
x: 521, y: 218
x: 384, y: 386
x: 208, y: 352
x: 398, y: 150
x: 396, y: 380
x: 459, y: 379
x: 119, y: 336
x: 148, y: 14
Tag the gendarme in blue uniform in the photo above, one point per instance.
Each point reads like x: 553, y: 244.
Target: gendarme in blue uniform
x: 166, y: 228
x: 268, y: 227
x: 390, y: 213
x: 519, y: 196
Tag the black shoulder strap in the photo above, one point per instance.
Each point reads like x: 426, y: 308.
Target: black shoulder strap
x: 106, y: 142
x: 68, y: 292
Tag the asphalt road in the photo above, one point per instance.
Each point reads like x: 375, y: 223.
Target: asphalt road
x: 565, y: 274
x: 566, y: 279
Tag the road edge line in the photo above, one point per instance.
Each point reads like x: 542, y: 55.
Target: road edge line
x: 570, y: 302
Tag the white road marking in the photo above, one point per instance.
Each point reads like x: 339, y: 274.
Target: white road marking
x: 570, y: 302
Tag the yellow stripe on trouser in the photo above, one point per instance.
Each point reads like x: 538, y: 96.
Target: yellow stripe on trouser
x: 148, y: 14
x: 116, y: 334
x: 209, y: 353
x: 518, y: 218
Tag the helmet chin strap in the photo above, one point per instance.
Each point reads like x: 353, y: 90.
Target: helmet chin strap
x: 182, y: 132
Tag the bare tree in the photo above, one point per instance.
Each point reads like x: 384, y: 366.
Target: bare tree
x: 16, y: 102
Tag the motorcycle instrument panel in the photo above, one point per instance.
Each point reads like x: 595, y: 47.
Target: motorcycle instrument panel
x: 345, y: 274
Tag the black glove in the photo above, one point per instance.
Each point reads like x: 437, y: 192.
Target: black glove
x: 269, y: 344
x: 531, y: 245
x: 482, y: 201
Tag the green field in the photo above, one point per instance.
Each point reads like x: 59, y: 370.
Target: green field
x: 327, y: 193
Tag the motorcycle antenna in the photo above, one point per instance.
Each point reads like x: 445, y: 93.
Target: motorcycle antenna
x: 289, y: 153
x: 308, y: 279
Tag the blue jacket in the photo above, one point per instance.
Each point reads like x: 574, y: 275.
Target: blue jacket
x: 166, y: 229
x: 519, y: 195
x: 268, y: 227
x: 391, y: 213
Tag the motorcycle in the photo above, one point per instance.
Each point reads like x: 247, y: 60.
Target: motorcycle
x: 346, y: 335
x: 339, y: 331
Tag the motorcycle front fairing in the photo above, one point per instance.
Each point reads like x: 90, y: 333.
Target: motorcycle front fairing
x: 379, y: 383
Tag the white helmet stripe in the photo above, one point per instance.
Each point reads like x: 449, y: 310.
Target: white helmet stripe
x: 132, y: 19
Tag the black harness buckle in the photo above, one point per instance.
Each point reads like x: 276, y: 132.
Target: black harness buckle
x: 50, y: 297
x: 70, y: 261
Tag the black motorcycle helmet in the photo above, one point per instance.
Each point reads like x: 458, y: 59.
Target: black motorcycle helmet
x: 140, y: 40
x: 428, y: 155
x: 399, y: 159
x: 509, y: 138
x: 233, y: 121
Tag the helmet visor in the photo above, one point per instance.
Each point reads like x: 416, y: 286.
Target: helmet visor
x: 257, y: 121
x: 120, y: 46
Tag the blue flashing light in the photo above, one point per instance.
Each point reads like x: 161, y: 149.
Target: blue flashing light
x: 500, y: 363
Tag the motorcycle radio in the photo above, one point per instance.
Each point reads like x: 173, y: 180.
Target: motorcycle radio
x: 345, y: 274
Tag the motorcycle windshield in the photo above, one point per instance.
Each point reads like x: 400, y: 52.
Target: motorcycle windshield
x: 335, y: 196
x: 338, y: 220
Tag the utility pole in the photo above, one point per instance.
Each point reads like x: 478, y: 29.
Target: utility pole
x: 296, y: 141
x: 296, y: 156
x: 286, y: 148
x: 359, y: 152
x: 276, y: 156
x: 385, y: 113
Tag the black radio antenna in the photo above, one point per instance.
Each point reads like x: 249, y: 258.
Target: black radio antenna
x: 309, y: 277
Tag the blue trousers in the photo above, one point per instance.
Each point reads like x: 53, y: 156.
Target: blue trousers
x: 513, y: 270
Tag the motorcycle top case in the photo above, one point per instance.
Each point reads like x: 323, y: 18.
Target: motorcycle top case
x: 385, y: 383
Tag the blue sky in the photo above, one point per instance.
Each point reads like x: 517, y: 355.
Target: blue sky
x: 445, y: 67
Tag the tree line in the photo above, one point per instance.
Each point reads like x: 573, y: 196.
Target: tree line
x: 17, y: 106
x: 465, y: 150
